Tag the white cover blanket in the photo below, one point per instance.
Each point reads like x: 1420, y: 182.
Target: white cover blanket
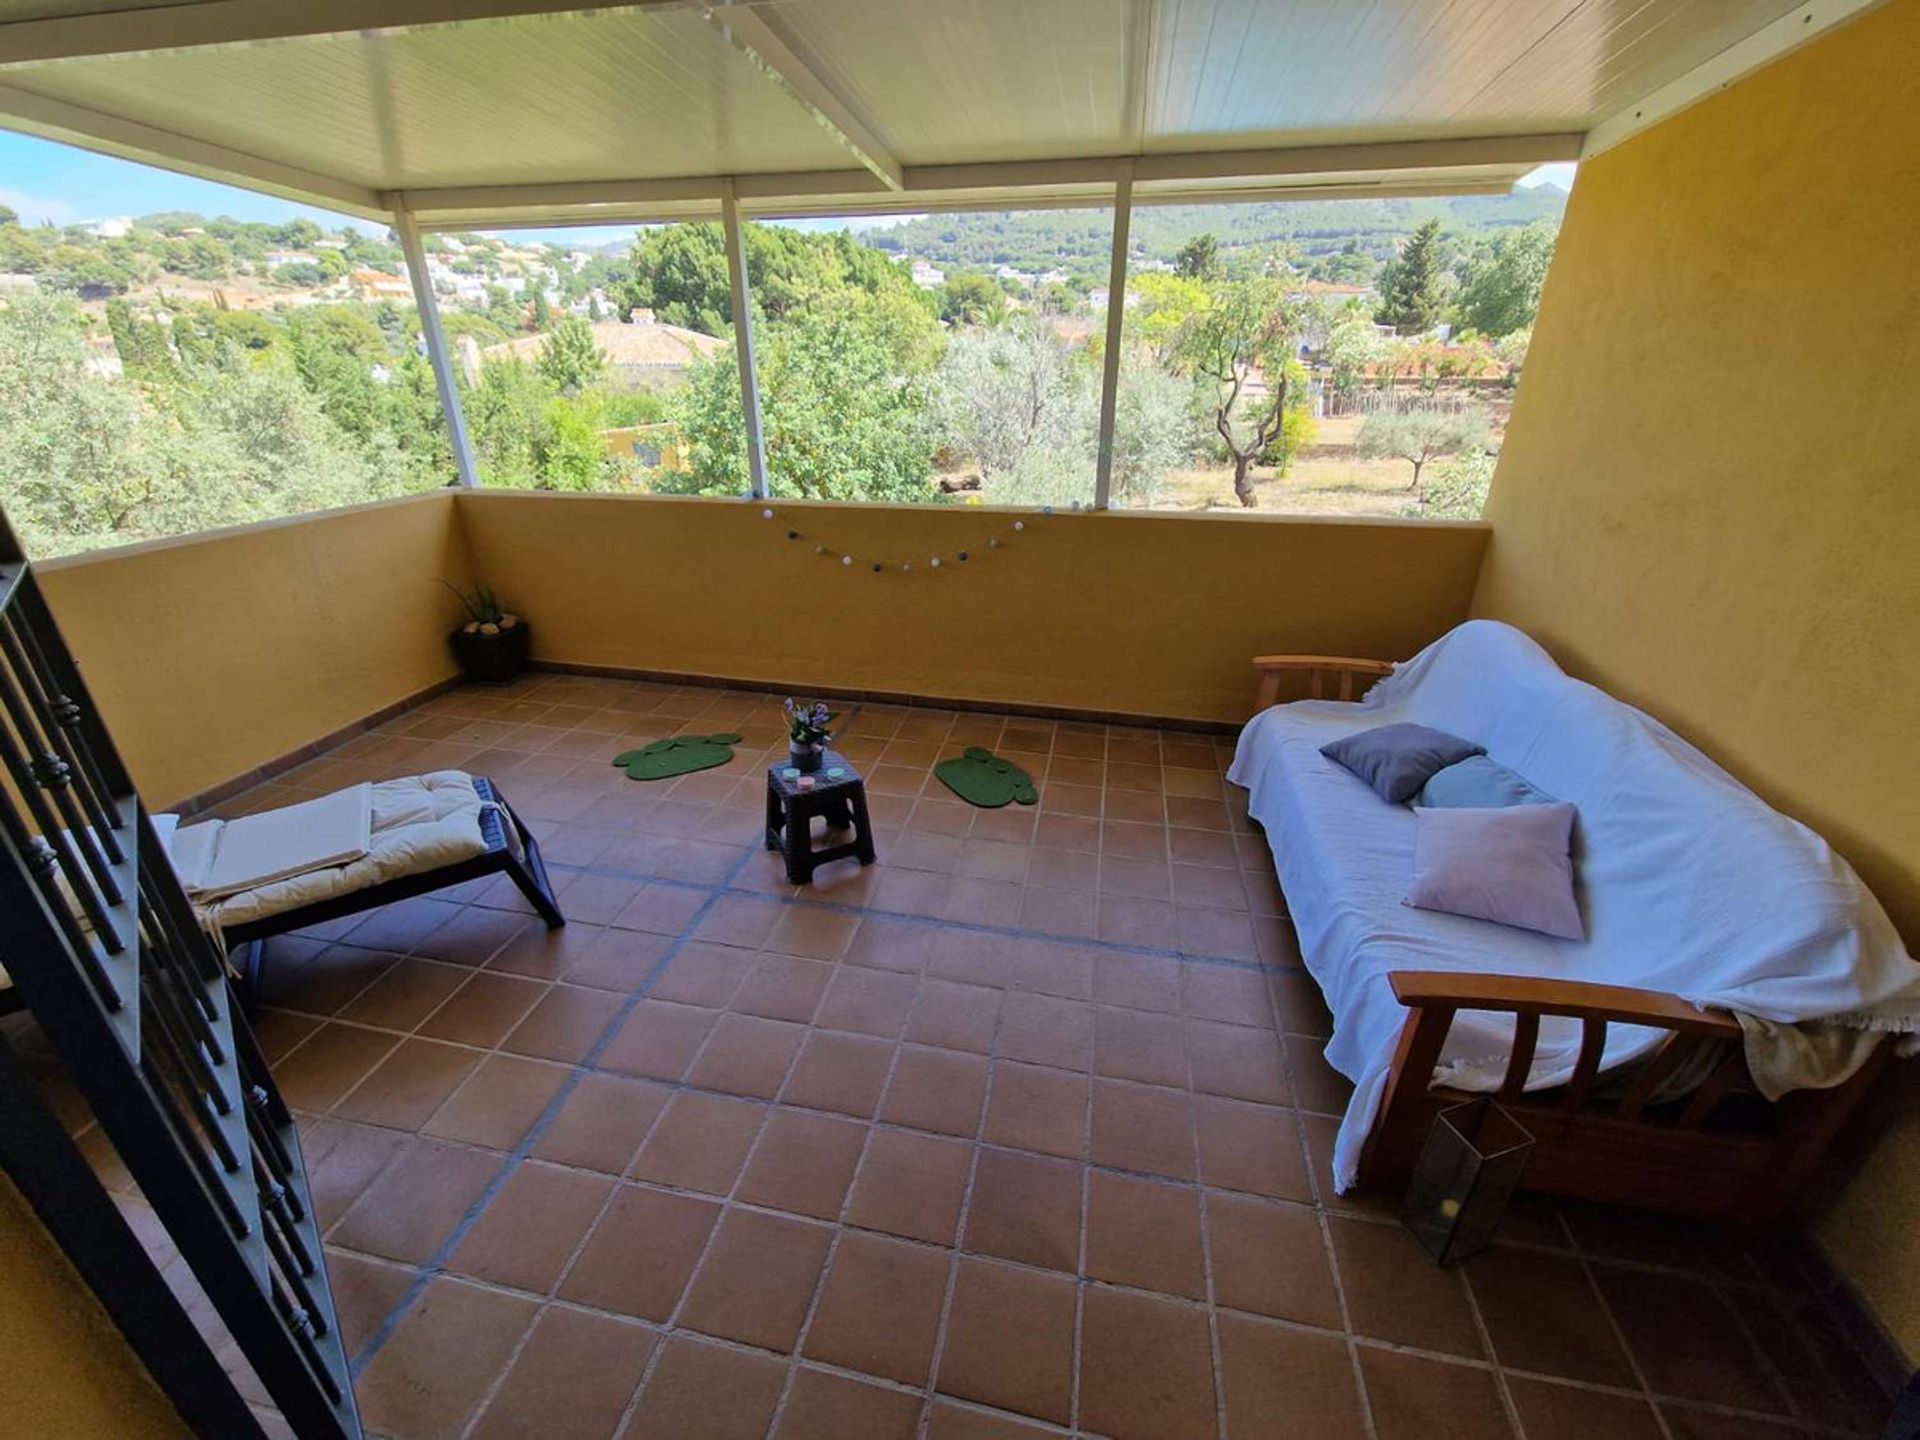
x: 420, y: 823
x: 1688, y: 881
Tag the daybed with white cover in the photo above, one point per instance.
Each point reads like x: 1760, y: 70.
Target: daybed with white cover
x: 1724, y: 943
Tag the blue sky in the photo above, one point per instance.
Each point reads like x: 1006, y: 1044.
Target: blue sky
x: 44, y: 180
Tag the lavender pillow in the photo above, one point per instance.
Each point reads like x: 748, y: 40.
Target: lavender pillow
x: 1396, y: 760
x: 1512, y: 866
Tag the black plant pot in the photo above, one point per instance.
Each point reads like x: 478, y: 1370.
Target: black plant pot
x: 493, y: 659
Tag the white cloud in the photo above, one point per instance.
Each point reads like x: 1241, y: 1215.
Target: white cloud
x: 32, y: 209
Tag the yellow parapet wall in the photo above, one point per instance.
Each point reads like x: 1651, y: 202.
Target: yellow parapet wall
x: 214, y: 654
x: 1708, y: 499
x: 1143, y: 614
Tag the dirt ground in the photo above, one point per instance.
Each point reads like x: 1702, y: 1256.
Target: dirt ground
x: 1327, y: 479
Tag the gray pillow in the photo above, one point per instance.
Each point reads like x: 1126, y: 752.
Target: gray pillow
x: 1479, y: 783
x: 1396, y: 760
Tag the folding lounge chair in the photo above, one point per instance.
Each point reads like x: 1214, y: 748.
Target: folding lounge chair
x: 508, y: 848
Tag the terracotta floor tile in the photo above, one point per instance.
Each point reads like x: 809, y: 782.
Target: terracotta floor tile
x: 1416, y: 1399
x: 659, y: 1040
x: 1394, y: 1292
x: 1684, y: 1422
x: 1286, y: 1384
x: 803, y: 1163
x: 1236, y: 1061
x: 1318, y: 1087
x: 938, y: 1090
x: 954, y: 1016
x: 639, y: 1257
x: 400, y: 927
x: 1565, y: 1413
x: 1125, y: 920
x: 660, y: 908
x: 404, y: 1089
x: 740, y: 920
x: 1146, y: 1368
x: 824, y: 1406
x: 529, y: 1231
x: 499, y: 1102
x: 564, y: 1025
x: 1251, y: 1147
x: 342, y: 1160
x: 602, y: 1123
x: 1145, y: 1233
x: 538, y: 953
x: 483, y: 1010
x: 842, y: 1073
x: 364, y: 1294
x: 703, y: 974
x: 1010, y: 1340
x: 405, y: 995
x: 1139, y: 1045
x: 870, y: 1002
x: 1057, y: 869
x: 414, y: 1205
x: 953, y: 1421
x: 1045, y: 1030
x: 814, y: 932
x: 970, y: 957
x: 1687, y: 1341
x: 573, y: 1377
x: 699, y: 1143
x: 757, y: 1279
x: 1060, y: 968
x: 1543, y: 1315
x: 879, y: 1308
x: 912, y: 1185
x: 1059, y: 912
x: 333, y: 1060
x: 1229, y: 994
x: 1143, y: 1127
x: 781, y: 987
x: 705, y: 1391
x: 1031, y: 1107
x: 1026, y: 1208
x: 1297, y: 1000
x: 471, y: 938
x: 884, y: 943
x: 1270, y: 1258
x: 746, y: 1055
x: 430, y: 1377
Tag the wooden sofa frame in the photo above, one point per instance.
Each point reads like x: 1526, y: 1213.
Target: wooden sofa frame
x: 1718, y: 1152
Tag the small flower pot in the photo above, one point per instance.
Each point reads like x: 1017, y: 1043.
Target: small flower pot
x: 492, y: 659
x: 806, y: 758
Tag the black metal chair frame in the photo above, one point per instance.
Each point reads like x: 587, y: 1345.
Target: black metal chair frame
x: 527, y: 870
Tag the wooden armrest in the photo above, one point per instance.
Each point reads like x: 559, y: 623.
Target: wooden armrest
x: 1576, y: 999
x: 1316, y: 668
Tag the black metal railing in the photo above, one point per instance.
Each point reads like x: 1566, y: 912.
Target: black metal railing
x: 103, y: 947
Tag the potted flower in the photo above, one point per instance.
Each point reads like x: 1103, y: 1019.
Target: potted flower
x: 807, y: 733
x: 492, y: 645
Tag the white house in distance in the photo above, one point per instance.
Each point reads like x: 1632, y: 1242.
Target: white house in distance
x: 928, y: 277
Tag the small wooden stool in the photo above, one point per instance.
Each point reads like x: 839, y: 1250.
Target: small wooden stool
x: 841, y: 801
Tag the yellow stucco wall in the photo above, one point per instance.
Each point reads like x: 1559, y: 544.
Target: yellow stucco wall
x: 69, y: 1373
x: 1709, y: 498
x: 1130, y: 613
x: 213, y: 654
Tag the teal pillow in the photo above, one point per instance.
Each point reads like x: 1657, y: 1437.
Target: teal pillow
x: 1478, y: 783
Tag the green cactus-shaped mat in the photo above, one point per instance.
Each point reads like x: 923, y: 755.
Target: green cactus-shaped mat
x: 982, y: 778
x: 677, y: 755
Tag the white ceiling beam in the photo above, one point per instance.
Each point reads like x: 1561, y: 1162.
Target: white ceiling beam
x: 771, y: 46
x: 1791, y: 31
x: 1338, y: 168
x: 201, y: 23
x: 130, y: 140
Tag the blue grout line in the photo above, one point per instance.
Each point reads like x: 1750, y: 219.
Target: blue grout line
x: 728, y: 888
x: 436, y: 1264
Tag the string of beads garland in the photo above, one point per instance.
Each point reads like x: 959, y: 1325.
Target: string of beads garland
x: 848, y: 560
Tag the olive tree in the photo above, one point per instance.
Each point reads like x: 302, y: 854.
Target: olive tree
x: 1420, y: 436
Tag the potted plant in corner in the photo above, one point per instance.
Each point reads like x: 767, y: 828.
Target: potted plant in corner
x: 807, y: 733
x: 492, y: 645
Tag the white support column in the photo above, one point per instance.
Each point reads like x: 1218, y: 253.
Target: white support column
x: 1116, y: 316
x: 438, y: 354
x: 743, y: 341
